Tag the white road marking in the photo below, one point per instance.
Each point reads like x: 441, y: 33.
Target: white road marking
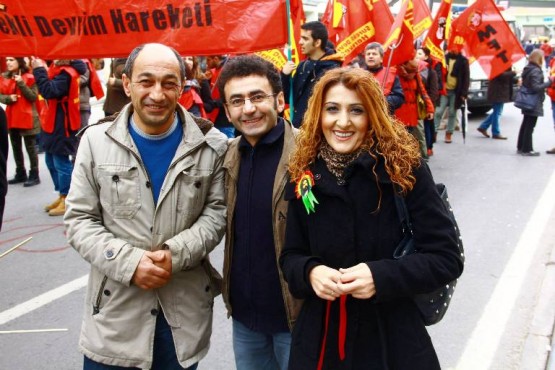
x: 43, y: 299
x: 482, y: 345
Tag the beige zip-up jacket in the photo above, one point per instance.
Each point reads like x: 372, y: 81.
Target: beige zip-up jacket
x: 111, y: 219
x: 279, y: 215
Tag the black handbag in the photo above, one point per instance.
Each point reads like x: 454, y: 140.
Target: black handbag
x: 433, y: 305
x: 526, y: 99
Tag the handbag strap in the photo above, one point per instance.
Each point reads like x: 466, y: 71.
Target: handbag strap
x: 402, y: 211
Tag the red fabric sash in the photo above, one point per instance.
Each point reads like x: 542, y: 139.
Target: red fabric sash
x: 342, y: 330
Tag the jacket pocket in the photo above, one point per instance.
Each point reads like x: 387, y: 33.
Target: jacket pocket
x: 192, y: 188
x: 120, y: 192
x: 100, y: 293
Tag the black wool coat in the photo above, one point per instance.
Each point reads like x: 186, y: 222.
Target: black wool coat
x: 350, y: 226
x: 532, y: 78
x: 500, y: 89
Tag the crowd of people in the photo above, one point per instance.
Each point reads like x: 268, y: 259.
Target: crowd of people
x: 187, y: 154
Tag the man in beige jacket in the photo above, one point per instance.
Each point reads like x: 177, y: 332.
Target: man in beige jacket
x: 145, y: 209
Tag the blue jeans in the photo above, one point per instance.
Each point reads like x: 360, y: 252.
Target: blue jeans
x: 255, y: 351
x: 444, y: 102
x: 493, y: 119
x: 60, y: 168
x: 164, y: 352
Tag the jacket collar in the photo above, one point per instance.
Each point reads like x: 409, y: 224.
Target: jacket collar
x: 192, y: 134
x: 232, y: 159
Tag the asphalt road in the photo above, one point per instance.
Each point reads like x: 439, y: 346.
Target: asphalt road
x: 498, y: 198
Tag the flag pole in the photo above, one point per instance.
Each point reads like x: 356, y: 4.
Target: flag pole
x: 289, y: 58
x: 388, y: 66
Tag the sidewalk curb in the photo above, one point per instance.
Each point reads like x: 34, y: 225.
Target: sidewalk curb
x: 537, y: 351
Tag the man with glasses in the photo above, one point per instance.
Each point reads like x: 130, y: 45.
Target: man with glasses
x: 255, y: 294
x: 145, y: 209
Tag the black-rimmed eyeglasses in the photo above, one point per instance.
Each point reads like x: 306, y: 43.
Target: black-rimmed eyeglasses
x: 255, y: 99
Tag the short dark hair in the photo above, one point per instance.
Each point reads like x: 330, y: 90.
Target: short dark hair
x: 128, y: 69
x: 376, y: 46
x: 249, y: 65
x: 318, y: 31
x: 426, y: 50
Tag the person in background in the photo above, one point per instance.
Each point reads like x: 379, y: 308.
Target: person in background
x: 255, y: 294
x: 391, y: 86
x: 115, y: 95
x: 532, y: 79
x: 413, y: 88
x: 500, y: 91
x: 343, y: 227
x: 145, y: 209
x: 547, y: 51
x: 19, y: 92
x: 457, y: 83
x: 190, y: 98
x: 551, y: 94
x: 89, y: 85
x: 3, y: 162
x: 59, y: 84
x: 319, y: 59
x: 430, y: 72
x: 214, y: 107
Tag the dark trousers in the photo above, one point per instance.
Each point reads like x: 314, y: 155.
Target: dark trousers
x: 429, y: 132
x: 165, y: 357
x: 524, y: 143
x: 30, y: 146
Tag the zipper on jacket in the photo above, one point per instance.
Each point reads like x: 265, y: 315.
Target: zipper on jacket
x: 96, y: 306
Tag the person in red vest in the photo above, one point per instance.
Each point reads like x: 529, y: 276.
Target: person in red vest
x: 195, y: 82
x: 59, y: 84
x: 19, y: 92
x: 391, y: 86
x: 547, y: 51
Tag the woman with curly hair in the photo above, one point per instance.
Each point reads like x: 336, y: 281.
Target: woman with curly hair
x: 342, y: 229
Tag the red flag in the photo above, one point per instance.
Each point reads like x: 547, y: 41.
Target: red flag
x: 278, y: 57
x: 400, y: 42
x: 68, y: 29
x: 422, y: 18
x: 352, y: 24
x: 439, y: 32
x: 483, y: 34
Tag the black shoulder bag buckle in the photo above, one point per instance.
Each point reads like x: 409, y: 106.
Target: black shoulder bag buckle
x: 433, y: 305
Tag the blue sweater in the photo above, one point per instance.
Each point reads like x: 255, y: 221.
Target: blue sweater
x: 157, y: 151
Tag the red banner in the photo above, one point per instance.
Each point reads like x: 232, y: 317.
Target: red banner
x: 422, y: 18
x: 483, y: 34
x: 352, y: 24
x: 57, y: 29
x: 439, y: 32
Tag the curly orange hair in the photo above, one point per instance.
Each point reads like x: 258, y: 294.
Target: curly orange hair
x: 386, y: 137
